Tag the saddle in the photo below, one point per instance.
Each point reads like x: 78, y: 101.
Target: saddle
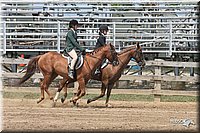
x: 78, y: 63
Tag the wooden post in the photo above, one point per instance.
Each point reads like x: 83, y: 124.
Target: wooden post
x: 176, y: 69
x: 157, y: 84
x: 192, y: 68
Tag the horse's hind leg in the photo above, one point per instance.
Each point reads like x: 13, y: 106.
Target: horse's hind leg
x: 42, y: 93
x: 52, y: 77
x: 103, y: 90
x: 44, y: 86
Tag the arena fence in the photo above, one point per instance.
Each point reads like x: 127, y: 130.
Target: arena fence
x: 160, y: 73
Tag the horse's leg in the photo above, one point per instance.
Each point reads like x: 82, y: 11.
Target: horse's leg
x: 80, y: 92
x: 110, y: 86
x: 42, y: 92
x: 52, y: 77
x: 103, y: 90
x: 45, y: 84
x: 65, y: 93
x: 62, y: 84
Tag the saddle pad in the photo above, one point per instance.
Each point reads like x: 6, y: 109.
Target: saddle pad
x: 78, y: 63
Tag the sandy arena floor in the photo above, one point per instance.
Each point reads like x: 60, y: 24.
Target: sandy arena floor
x: 26, y: 115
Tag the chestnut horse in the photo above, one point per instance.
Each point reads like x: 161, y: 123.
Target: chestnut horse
x: 110, y: 74
x: 52, y: 64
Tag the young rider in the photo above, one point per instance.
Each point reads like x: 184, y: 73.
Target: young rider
x: 72, y: 44
x: 101, y: 41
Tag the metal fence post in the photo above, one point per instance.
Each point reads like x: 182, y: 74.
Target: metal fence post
x: 114, y: 33
x: 170, y: 38
x: 4, y: 37
x: 157, y: 84
x: 58, y: 37
x: 192, y: 68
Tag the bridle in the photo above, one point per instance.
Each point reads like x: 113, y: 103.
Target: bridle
x: 112, y: 54
x: 136, y: 54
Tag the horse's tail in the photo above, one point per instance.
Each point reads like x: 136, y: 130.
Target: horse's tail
x: 31, y: 68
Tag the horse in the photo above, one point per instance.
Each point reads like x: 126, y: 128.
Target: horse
x: 111, y: 74
x: 52, y: 64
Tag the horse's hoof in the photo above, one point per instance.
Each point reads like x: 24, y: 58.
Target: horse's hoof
x: 75, y: 104
x: 71, y: 101
x: 62, y: 100
x: 88, y: 101
x: 108, y: 105
x: 39, y: 100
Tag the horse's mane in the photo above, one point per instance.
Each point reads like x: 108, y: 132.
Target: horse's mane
x: 126, y: 49
x: 96, y: 50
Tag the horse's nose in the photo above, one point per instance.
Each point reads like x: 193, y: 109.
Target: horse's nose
x: 143, y: 63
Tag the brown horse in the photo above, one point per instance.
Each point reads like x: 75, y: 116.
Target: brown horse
x: 52, y: 64
x: 110, y: 74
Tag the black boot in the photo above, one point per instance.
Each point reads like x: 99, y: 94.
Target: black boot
x: 71, y: 73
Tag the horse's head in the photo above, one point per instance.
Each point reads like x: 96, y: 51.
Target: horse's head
x: 138, y: 55
x: 111, y: 54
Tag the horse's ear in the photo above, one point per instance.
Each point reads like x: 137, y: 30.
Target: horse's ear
x: 109, y: 44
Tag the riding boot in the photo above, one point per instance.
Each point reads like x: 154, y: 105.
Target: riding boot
x: 71, y: 73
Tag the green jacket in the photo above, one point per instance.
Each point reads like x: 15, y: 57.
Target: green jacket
x: 71, y: 42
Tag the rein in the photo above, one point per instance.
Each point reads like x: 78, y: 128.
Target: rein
x: 92, y: 57
x: 120, y: 59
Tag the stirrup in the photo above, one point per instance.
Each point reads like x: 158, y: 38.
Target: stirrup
x: 97, y: 72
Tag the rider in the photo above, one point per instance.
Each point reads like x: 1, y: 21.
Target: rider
x: 72, y: 43
x: 101, y: 41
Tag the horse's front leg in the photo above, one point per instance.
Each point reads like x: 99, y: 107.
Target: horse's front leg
x: 103, y: 90
x: 110, y: 86
x: 62, y: 84
x: 65, y: 94
x: 80, y: 92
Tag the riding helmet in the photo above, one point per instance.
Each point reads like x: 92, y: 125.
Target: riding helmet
x: 103, y: 27
x: 73, y: 23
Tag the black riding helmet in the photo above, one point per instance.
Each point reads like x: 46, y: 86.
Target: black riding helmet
x: 72, y: 23
x: 103, y: 27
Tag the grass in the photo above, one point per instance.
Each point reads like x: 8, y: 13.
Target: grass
x: 119, y: 97
x: 180, y: 98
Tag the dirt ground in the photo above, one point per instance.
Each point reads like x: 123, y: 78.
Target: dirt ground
x: 27, y: 115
